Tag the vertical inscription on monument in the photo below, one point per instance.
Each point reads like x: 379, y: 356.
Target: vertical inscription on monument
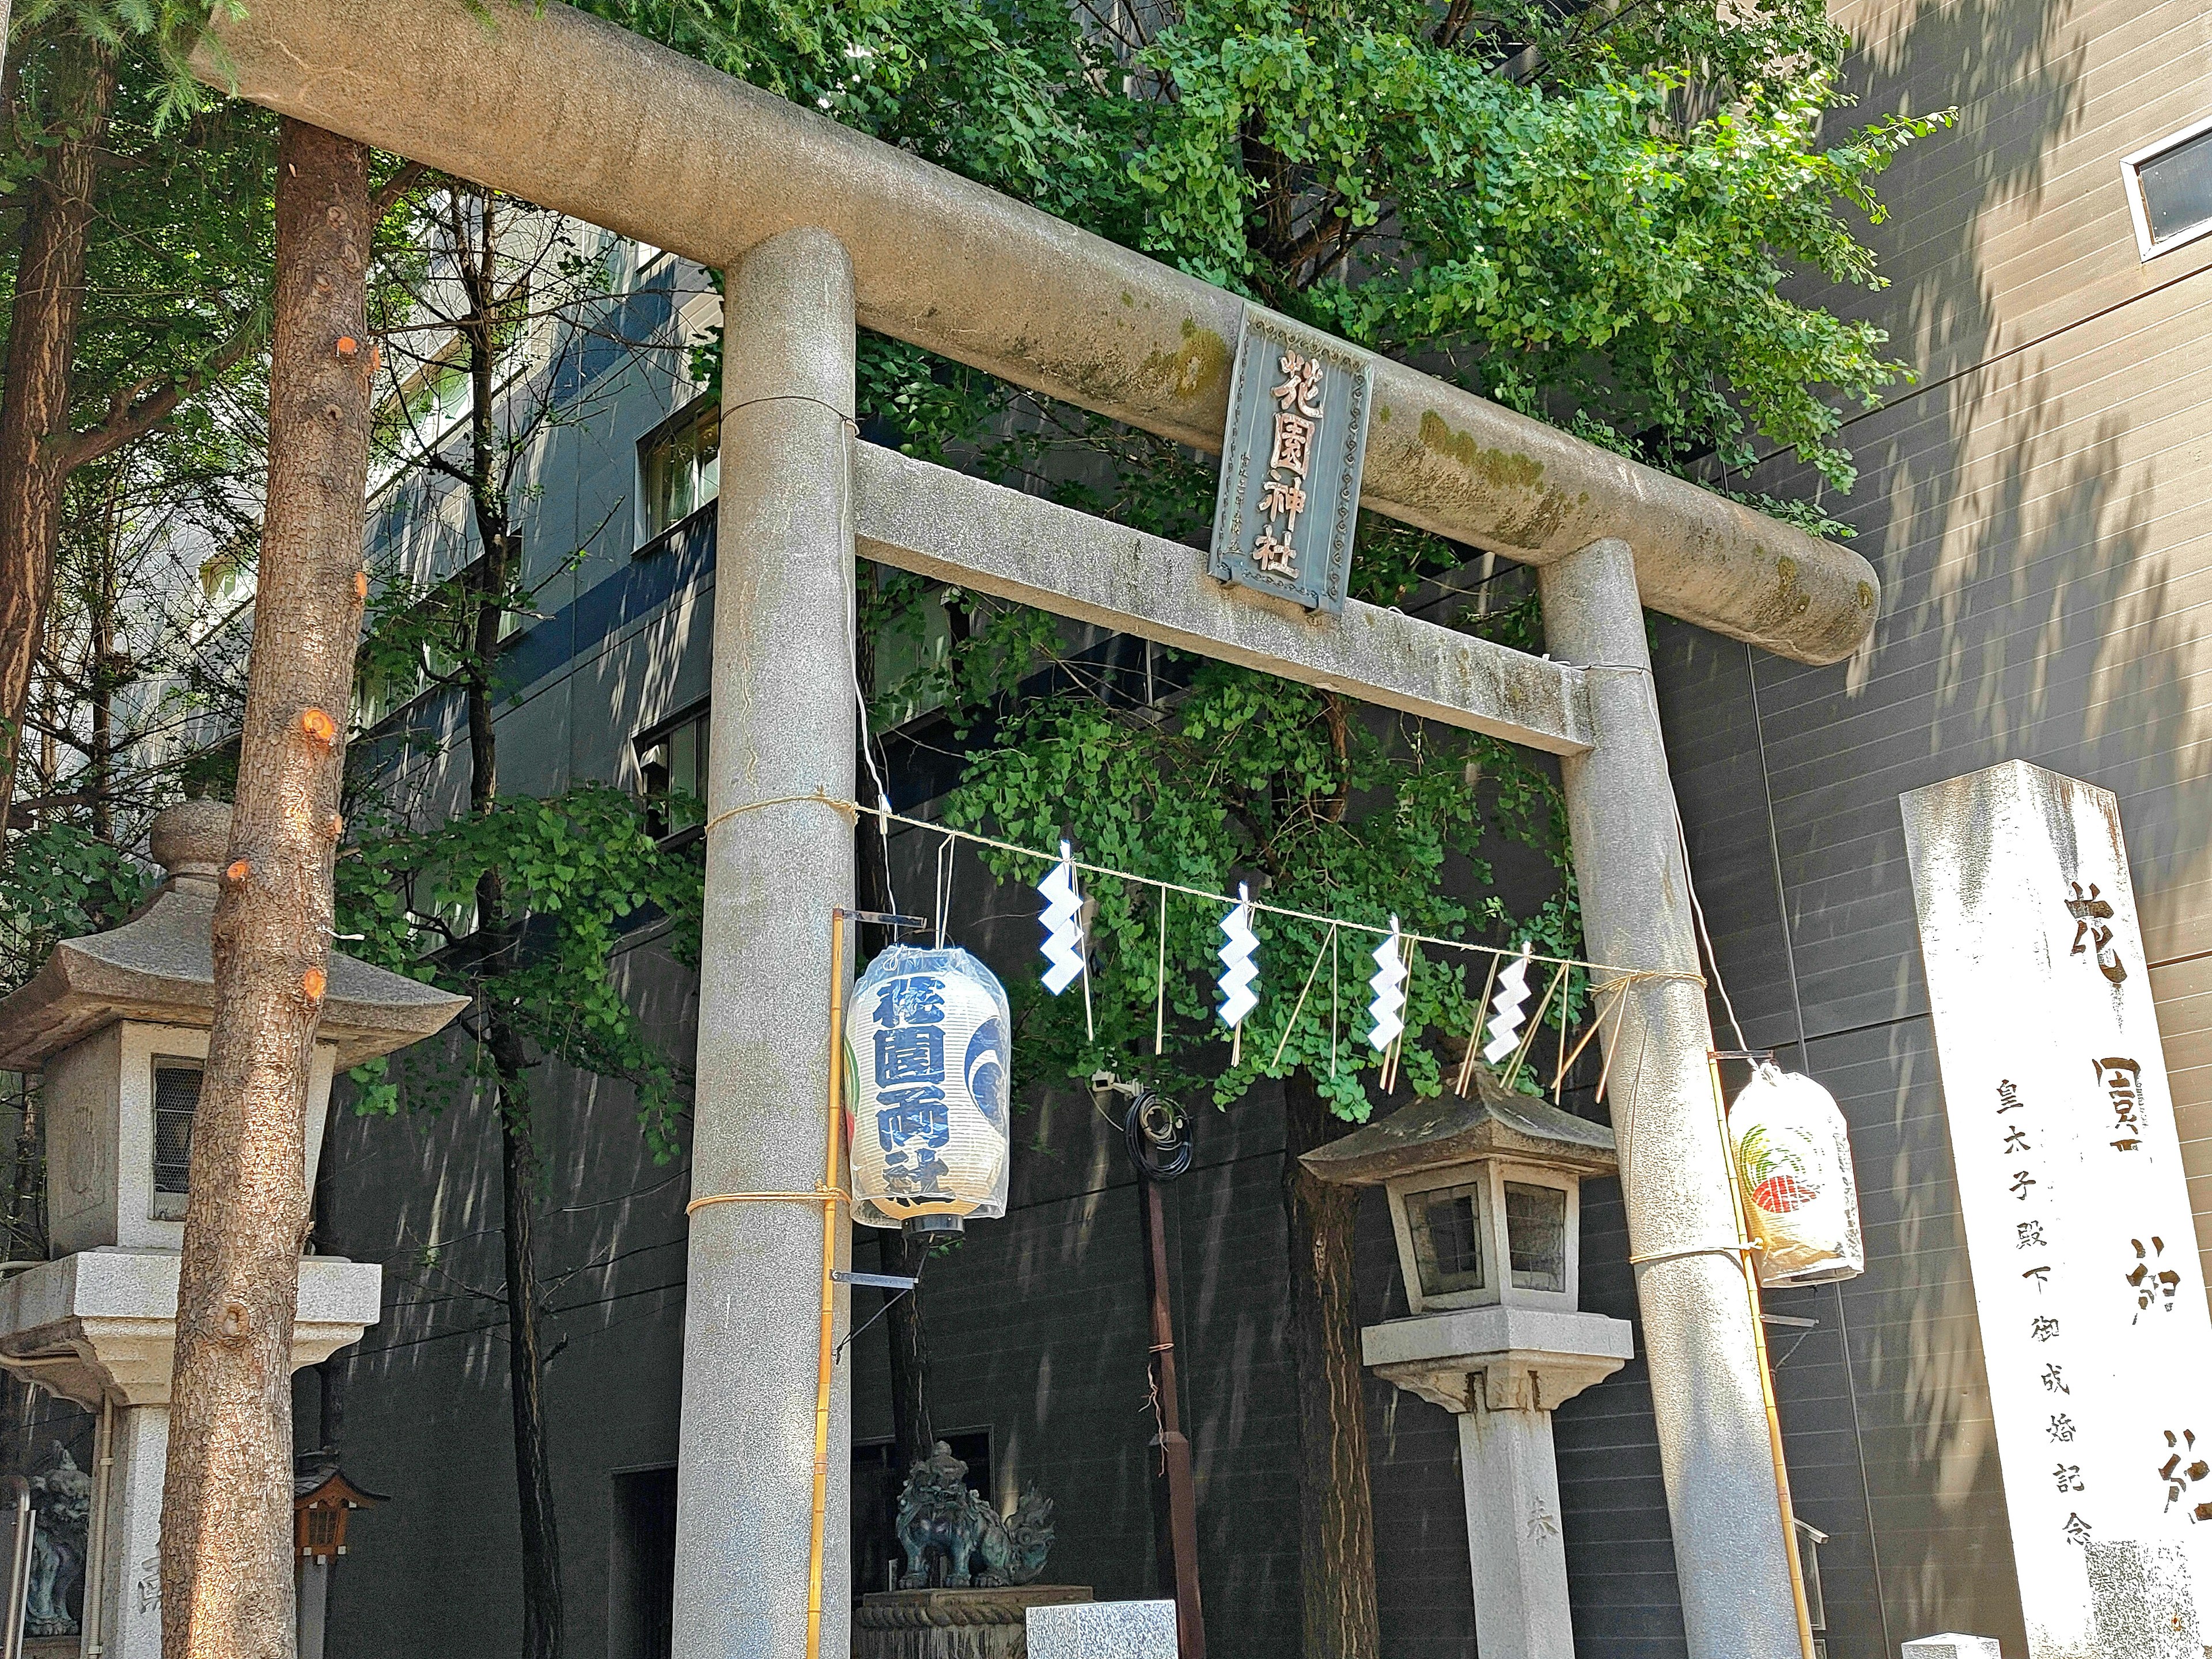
x: 1289, y: 495
x: 2085, y: 1273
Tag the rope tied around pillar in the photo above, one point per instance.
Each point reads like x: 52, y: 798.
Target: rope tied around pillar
x: 819, y: 1196
x: 795, y: 398
x: 849, y: 810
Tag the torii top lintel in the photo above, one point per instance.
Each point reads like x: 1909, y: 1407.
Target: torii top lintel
x: 562, y: 109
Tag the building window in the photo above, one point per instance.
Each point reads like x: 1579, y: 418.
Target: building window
x: 671, y: 761
x: 2170, y: 190
x: 176, y: 1098
x: 679, y: 467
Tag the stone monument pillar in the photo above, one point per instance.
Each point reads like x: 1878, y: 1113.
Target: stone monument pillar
x: 117, y: 1023
x: 1486, y: 1203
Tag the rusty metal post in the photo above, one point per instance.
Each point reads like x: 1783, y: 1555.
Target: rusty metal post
x: 1175, y: 1500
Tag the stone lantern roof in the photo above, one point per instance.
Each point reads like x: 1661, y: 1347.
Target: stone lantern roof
x: 159, y: 967
x: 1490, y: 1122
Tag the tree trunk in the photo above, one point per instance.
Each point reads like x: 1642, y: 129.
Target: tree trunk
x: 35, y: 412
x: 545, y: 1619
x: 1336, y: 1518
x: 226, y: 1504
x: 544, y: 1611
x: 909, y: 1345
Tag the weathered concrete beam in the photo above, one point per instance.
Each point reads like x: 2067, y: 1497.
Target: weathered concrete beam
x: 1012, y: 546
x: 564, y: 110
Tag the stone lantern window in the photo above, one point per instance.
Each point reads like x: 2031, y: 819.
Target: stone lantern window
x: 1490, y: 1231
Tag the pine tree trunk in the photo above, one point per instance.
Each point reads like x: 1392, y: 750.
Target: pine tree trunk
x: 226, y: 1504
x: 35, y: 412
x: 1336, y: 1518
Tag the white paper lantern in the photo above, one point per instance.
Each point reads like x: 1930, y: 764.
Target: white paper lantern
x: 927, y: 1047
x: 1800, y: 1200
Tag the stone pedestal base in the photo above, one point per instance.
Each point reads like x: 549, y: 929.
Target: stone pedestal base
x: 953, y: 1624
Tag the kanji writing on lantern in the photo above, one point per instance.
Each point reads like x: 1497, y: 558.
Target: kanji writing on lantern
x: 911, y: 1117
x: 2121, y: 1078
x: 2016, y: 1139
x: 2060, y: 1427
x: 2091, y: 936
x: 2043, y: 1330
x: 2154, y: 1286
x: 2008, y: 1098
x: 2040, y: 1275
x: 2054, y: 1380
x: 2030, y: 1232
x: 2068, y: 1477
x: 2022, y: 1181
x: 2077, y: 1531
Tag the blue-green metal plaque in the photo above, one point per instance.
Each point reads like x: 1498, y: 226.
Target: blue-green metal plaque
x: 1289, y: 496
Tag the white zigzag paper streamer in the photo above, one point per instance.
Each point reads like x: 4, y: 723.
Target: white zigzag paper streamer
x: 1389, y: 988
x: 1063, y: 926
x: 1512, y: 992
x: 1238, y: 997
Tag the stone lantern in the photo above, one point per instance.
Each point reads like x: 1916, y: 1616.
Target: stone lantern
x: 119, y: 1024
x: 1484, y: 1199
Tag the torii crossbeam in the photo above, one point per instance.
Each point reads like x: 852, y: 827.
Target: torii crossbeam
x: 820, y: 229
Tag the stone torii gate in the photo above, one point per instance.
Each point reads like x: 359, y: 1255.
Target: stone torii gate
x: 820, y: 229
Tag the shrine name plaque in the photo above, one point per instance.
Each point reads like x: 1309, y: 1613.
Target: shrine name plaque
x: 1288, y: 500
x: 2077, y: 1223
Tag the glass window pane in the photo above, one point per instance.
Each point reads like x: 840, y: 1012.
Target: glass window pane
x: 1446, y: 1223
x: 683, y: 759
x: 2176, y: 188
x: 176, y: 1098
x: 1536, y: 1234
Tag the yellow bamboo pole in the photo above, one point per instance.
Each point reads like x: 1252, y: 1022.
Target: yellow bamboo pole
x: 834, y: 1135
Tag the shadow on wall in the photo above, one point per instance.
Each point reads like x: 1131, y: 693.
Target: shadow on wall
x: 2036, y: 605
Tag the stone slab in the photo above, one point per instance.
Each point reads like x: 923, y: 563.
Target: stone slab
x: 1953, y: 1647
x: 2074, y: 1205
x: 1103, y: 1630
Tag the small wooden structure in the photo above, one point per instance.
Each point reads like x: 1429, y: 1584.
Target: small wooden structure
x: 321, y: 1503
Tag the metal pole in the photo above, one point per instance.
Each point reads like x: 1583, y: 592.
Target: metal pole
x: 1684, y: 1232
x: 1175, y: 1500
x: 779, y: 863
x: 18, y: 1569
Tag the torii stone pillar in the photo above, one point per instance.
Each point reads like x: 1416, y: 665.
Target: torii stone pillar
x: 1739, y: 1601
x: 784, y: 726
